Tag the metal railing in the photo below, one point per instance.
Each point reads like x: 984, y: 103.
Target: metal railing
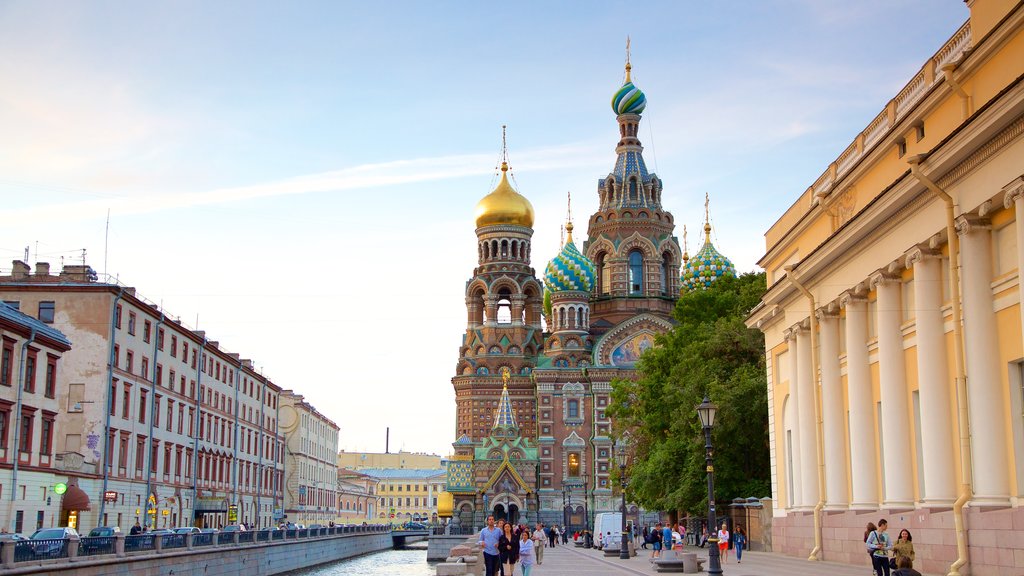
x: 96, y: 545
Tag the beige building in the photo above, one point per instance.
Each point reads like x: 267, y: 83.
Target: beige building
x: 29, y: 410
x: 157, y: 423
x: 402, y: 459
x: 357, y: 498
x: 407, y: 494
x: 893, y: 320
x: 311, y: 481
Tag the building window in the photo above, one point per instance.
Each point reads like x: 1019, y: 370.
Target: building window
x: 7, y: 366
x: 174, y: 346
x: 131, y: 323
x: 26, y: 432
x: 142, y: 406
x: 636, y: 272
x: 666, y: 261
x: 117, y: 317
x: 919, y: 131
x: 129, y: 361
x: 901, y: 147
x: 574, y: 464
x: 160, y: 339
x: 50, y: 389
x: 573, y: 409
x: 46, y: 310
x: 30, y: 372
x: 126, y: 406
x: 5, y: 418
x: 16, y: 304
x: 147, y: 328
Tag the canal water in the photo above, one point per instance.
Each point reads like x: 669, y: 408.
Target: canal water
x: 409, y: 561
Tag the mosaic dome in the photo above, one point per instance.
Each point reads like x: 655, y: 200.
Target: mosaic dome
x: 504, y: 205
x: 570, y: 270
x: 705, y: 266
x: 629, y: 99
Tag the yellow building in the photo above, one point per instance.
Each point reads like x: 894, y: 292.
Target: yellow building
x: 357, y: 498
x: 917, y: 416
x: 357, y: 460
x: 407, y: 495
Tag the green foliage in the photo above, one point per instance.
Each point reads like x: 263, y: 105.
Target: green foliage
x: 547, y: 305
x: 709, y: 352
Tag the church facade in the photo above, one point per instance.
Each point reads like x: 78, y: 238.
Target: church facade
x: 534, y: 441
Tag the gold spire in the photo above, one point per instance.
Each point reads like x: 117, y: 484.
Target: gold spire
x: 568, y: 219
x: 686, y: 249
x: 504, y: 205
x: 628, y: 65
x: 707, y: 220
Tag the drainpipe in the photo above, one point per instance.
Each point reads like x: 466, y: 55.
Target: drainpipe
x: 110, y: 403
x: 965, y: 99
x: 966, y: 488
x: 149, y: 441
x: 818, y: 428
x: 198, y: 419
x: 20, y: 383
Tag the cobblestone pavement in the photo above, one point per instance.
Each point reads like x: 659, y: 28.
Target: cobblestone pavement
x: 570, y: 561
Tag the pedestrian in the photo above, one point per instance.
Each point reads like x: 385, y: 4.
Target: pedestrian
x: 538, y: 543
x: 905, y: 567
x: 647, y: 536
x: 489, y: 537
x: 666, y: 538
x: 526, y: 552
x: 867, y: 532
x: 508, y: 549
x: 704, y: 537
x: 656, y: 541
x: 550, y: 530
x: 723, y: 543
x: 565, y: 534
x: 738, y: 542
x: 879, y: 544
x: 136, y: 530
x: 904, y: 547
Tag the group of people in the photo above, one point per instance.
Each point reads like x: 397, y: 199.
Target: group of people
x: 505, y: 545
x: 887, y: 555
x: 673, y: 536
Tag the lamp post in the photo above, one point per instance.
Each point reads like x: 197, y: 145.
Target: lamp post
x: 588, y: 538
x: 707, y: 411
x: 621, y: 455
x: 565, y: 507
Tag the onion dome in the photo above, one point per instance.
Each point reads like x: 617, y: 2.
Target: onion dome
x: 504, y: 205
x: 629, y: 99
x: 570, y: 270
x: 706, y: 266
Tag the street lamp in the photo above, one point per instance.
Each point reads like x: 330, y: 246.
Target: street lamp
x: 621, y: 455
x: 565, y: 507
x: 707, y: 411
x: 588, y: 537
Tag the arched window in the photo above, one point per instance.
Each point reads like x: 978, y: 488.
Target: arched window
x: 504, y: 306
x: 574, y: 464
x: 573, y: 409
x: 504, y: 248
x: 666, y: 259
x: 632, y: 190
x: 636, y: 272
x: 602, y: 276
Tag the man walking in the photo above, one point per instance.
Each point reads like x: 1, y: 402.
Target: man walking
x: 489, y: 543
x: 538, y: 542
x: 552, y: 534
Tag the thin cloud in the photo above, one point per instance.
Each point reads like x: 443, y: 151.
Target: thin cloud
x: 374, y: 175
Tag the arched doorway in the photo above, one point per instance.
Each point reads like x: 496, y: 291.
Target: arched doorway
x: 513, y: 514
x: 499, y: 512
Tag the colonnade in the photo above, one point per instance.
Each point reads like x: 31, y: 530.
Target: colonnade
x: 882, y: 436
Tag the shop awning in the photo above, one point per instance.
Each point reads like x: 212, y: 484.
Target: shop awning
x: 75, y: 499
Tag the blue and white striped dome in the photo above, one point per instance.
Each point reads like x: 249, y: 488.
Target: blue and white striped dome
x: 629, y: 100
x: 570, y: 270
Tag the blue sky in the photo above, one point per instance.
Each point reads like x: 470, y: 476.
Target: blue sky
x: 301, y: 176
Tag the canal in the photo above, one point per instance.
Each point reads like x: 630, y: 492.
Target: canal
x: 409, y: 561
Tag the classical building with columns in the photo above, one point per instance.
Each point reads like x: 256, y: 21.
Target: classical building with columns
x: 893, y: 321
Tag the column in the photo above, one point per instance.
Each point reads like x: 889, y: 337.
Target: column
x: 806, y: 419
x: 794, y: 423
x: 933, y: 382
x: 1014, y: 198
x: 833, y: 419
x: 863, y: 468
x: 984, y: 394
x: 898, y: 486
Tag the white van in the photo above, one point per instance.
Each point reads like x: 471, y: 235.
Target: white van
x: 604, y: 523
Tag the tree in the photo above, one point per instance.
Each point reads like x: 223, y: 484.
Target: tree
x: 709, y: 352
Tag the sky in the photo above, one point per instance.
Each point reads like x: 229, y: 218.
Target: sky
x: 298, y: 178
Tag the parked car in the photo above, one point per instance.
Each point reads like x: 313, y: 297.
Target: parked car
x: 53, y: 540
x: 187, y: 530
x: 233, y: 528
x: 11, y: 537
x: 101, y: 531
x: 315, y: 526
x: 163, y: 531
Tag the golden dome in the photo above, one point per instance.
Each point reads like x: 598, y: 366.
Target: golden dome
x: 504, y: 205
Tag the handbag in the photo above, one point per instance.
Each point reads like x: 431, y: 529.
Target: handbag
x: 892, y: 562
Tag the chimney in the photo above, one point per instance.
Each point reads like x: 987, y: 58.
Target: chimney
x: 42, y: 269
x: 20, y: 270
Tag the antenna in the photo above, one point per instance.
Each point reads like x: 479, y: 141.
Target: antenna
x: 106, y: 239
x: 26, y: 254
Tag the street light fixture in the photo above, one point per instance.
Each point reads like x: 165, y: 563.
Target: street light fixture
x: 707, y: 412
x: 588, y: 537
x: 622, y: 454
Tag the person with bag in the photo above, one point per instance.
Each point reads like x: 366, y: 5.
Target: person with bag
x: 903, y: 548
x: 879, y: 545
x: 508, y: 550
x: 538, y: 543
x: 526, y: 548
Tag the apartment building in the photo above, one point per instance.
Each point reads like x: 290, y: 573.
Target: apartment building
x: 311, y: 441
x: 407, y: 494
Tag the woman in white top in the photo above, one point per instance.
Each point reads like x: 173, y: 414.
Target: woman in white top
x: 723, y: 543
x: 526, y: 552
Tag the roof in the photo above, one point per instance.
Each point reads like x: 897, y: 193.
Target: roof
x: 13, y: 315
x: 403, y: 473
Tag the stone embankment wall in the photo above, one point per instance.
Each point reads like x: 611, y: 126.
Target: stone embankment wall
x: 258, y: 559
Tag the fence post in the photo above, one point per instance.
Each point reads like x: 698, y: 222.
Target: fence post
x: 72, y: 544
x: 234, y: 537
x: 188, y: 540
x: 119, y: 544
x: 7, y: 553
x: 215, y: 537
x: 158, y: 543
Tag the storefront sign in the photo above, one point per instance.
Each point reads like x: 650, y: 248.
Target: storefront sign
x: 213, y: 505
x: 110, y: 496
x: 232, y: 514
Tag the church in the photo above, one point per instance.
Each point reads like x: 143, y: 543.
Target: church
x: 533, y: 380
